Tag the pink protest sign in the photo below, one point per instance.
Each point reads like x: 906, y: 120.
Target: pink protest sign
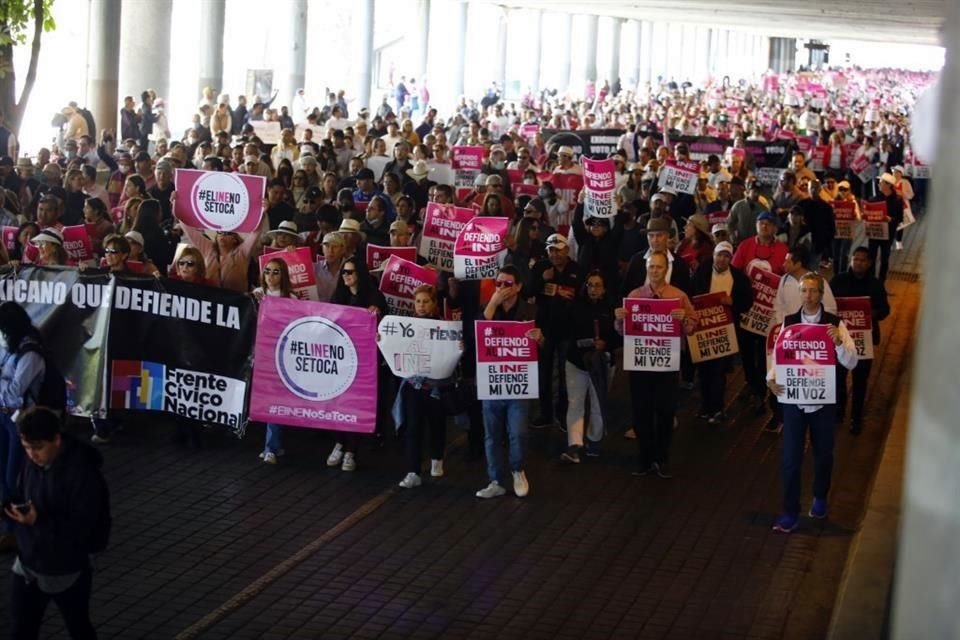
x: 377, y: 255
x: 507, y: 366
x: 219, y: 201
x: 805, y: 362
x: 400, y: 279
x: 567, y: 186
x: 525, y: 190
x: 529, y: 131
x: 599, y: 182
x: 860, y: 165
x: 77, y: 243
x: 9, y: 238
x: 875, y: 222
x: 857, y: 314
x: 804, y: 144
x: 315, y: 366
x: 467, y: 163
x: 515, y: 176
x: 845, y: 216
x: 718, y: 217
x: 303, y: 279
x: 680, y: 175
x: 715, y: 337
x: 820, y: 157
x: 757, y: 319
x: 480, y: 248
x: 441, y: 226
x: 651, y: 335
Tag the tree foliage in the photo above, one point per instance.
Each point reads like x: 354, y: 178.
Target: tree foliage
x: 20, y: 21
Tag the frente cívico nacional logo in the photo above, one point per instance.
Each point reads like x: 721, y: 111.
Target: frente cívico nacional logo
x: 316, y: 359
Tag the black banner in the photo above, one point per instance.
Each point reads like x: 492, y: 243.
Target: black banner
x: 181, y: 348
x: 72, y: 311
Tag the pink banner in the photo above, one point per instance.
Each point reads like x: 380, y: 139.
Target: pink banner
x: 680, y: 175
x: 377, y: 255
x: 219, y: 201
x: 857, y: 314
x: 804, y: 358
x: 303, y: 279
x: 441, y: 226
x: 9, y: 238
x: 876, y: 224
x: 765, y: 285
x: 507, y: 366
x: 480, y: 248
x: 515, y: 177
x: 467, y: 163
x: 845, y: 216
x: 315, y: 366
x: 522, y: 189
x: 599, y: 182
x: 77, y: 243
x: 567, y: 186
x: 651, y: 335
x: 716, y: 336
x: 718, y: 217
x: 400, y: 279
x: 820, y: 158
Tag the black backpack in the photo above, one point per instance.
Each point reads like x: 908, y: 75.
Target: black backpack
x: 53, y: 389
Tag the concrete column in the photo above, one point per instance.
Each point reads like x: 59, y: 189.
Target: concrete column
x: 633, y: 79
x: 145, y: 51
x: 566, y: 68
x: 103, y: 60
x: 212, y: 14
x: 590, y: 48
x: 363, y: 11
x: 613, y: 74
x: 460, y: 48
x: 928, y: 561
x: 537, y: 52
x: 723, y: 64
x: 646, y: 51
x: 296, y: 58
x: 423, y: 42
x: 502, y: 39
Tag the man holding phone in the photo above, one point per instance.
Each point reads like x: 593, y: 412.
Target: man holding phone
x: 61, y: 516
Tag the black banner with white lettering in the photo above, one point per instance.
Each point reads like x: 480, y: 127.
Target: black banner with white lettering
x: 71, y: 310
x: 184, y: 349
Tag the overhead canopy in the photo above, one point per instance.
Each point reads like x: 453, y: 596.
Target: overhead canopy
x: 900, y: 21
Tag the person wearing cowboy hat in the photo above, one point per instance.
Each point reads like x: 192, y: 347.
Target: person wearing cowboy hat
x: 284, y: 236
x: 565, y: 161
x: 658, y: 239
x: 697, y: 244
x: 419, y: 188
x: 888, y: 194
x: 352, y: 236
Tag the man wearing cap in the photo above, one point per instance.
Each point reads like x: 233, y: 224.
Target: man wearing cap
x: 654, y: 394
x: 555, y: 282
x: 328, y: 269
x: 717, y: 275
x: 888, y: 194
x: 658, y: 239
x: 400, y: 235
x: 742, y: 221
x: 565, y: 162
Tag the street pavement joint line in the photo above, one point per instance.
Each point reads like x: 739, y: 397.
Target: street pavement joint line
x: 259, y: 585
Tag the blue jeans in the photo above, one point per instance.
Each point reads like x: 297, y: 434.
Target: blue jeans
x: 273, y: 443
x: 505, y: 419
x: 11, y: 455
x: 795, y: 424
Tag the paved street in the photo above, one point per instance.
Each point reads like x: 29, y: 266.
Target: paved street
x: 214, y: 544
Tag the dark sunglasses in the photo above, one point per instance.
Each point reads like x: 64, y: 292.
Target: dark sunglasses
x: 112, y: 251
x: 503, y: 283
x: 272, y: 272
x: 185, y: 263
x: 349, y: 272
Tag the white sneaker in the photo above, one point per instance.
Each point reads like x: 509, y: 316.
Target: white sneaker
x: 492, y: 490
x: 269, y: 457
x: 349, y: 462
x: 520, y: 485
x: 898, y: 246
x: 335, y: 456
x: 436, y: 468
x: 410, y: 481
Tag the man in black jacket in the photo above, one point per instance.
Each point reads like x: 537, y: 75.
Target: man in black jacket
x: 859, y: 281
x: 658, y: 237
x: 714, y: 276
x: 61, y: 518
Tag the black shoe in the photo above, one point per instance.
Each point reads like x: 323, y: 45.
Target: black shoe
x: 856, y: 428
x: 542, y: 423
x: 644, y: 470
x: 662, y: 470
x: 571, y: 455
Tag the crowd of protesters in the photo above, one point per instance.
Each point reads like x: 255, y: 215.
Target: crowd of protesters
x: 339, y: 180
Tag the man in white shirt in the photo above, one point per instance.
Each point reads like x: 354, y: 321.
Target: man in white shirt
x: 788, y: 298
x: 819, y: 419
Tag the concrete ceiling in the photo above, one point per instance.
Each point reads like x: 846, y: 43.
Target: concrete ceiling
x: 901, y: 21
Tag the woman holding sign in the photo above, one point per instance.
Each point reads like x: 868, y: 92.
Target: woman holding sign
x: 355, y: 288
x: 274, y: 281
x: 653, y: 386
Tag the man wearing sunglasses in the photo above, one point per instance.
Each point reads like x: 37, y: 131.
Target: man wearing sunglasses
x: 507, y: 419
